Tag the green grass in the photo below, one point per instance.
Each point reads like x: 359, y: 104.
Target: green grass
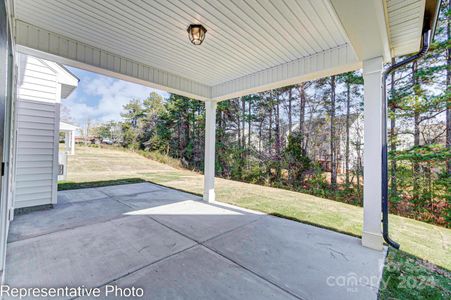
x: 426, y: 241
x: 407, y: 277
x: 162, y: 178
x: 68, y: 185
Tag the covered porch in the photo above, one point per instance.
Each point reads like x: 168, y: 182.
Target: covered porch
x: 261, y: 46
x: 174, y: 245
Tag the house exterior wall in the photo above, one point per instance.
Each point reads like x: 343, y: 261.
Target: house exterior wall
x: 38, y: 105
x: 7, y: 96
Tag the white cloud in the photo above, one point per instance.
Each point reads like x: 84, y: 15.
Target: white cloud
x: 102, y: 99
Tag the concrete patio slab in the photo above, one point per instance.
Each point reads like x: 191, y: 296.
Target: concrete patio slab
x: 177, y: 246
x: 129, y: 189
x: 311, y: 262
x: 199, y: 273
x: 66, y: 216
x: 91, y: 255
x: 71, y: 196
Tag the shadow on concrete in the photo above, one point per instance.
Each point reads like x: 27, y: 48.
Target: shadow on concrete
x: 69, y: 185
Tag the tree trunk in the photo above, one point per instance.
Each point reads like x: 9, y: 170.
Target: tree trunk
x: 333, y: 175
x: 179, y: 138
x: 243, y: 120
x: 219, y: 141
x: 270, y: 127
x: 186, y: 134
x: 416, y: 135
x: 448, y: 84
x: 290, y: 125
x: 238, y: 124
x: 302, y: 100
x: 194, y: 138
x: 348, y: 116
x: 393, y: 183
x: 270, y: 135
x: 277, y: 136
x: 260, y: 125
x: 249, y: 125
x: 358, y: 170
x: 290, y: 122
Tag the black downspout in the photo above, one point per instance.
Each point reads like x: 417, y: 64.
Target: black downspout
x: 423, y: 50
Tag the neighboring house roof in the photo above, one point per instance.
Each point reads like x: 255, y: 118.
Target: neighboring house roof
x: 68, y: 127
x: 67, y: 80
x: 63, y: 76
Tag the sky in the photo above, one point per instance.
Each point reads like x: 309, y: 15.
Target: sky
x: 100, y: 98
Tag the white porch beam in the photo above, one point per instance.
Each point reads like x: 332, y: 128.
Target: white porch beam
x: 48, y: 45
x: 366, y: 26
x: 372, y: 76
x: 209, y: 162
x: 326, y: 63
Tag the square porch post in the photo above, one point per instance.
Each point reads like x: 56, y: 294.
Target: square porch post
x: 209, y: 162
x: 66, y: 141
x: 72, y: 143
x: 372, y: 165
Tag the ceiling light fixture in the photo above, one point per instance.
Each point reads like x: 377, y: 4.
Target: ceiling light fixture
x: 196, y: 33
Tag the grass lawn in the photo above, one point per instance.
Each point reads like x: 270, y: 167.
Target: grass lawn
x: 94, y: 166
x: 406, y: 277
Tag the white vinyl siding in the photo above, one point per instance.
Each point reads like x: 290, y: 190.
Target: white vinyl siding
x: 37, y: 126
x: 38, y: 82
x: 35, y: 152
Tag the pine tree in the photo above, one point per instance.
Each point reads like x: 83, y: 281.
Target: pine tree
x: 333, y: 158
x: 350, y: 80
x: 448, y: 85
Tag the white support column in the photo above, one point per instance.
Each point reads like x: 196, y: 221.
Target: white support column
x: 209, y: 163
x: 372, y: 166
x: 66, y: 142
x: 72, y: 142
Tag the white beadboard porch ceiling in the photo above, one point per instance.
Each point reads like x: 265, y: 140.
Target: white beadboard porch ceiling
x: 405, y: 24
x: 250, y: 46
x: 243, y: 36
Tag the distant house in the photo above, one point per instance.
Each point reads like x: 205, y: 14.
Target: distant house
x: 430, y: 133
x: 69, y: 131
x: 317, y: 140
